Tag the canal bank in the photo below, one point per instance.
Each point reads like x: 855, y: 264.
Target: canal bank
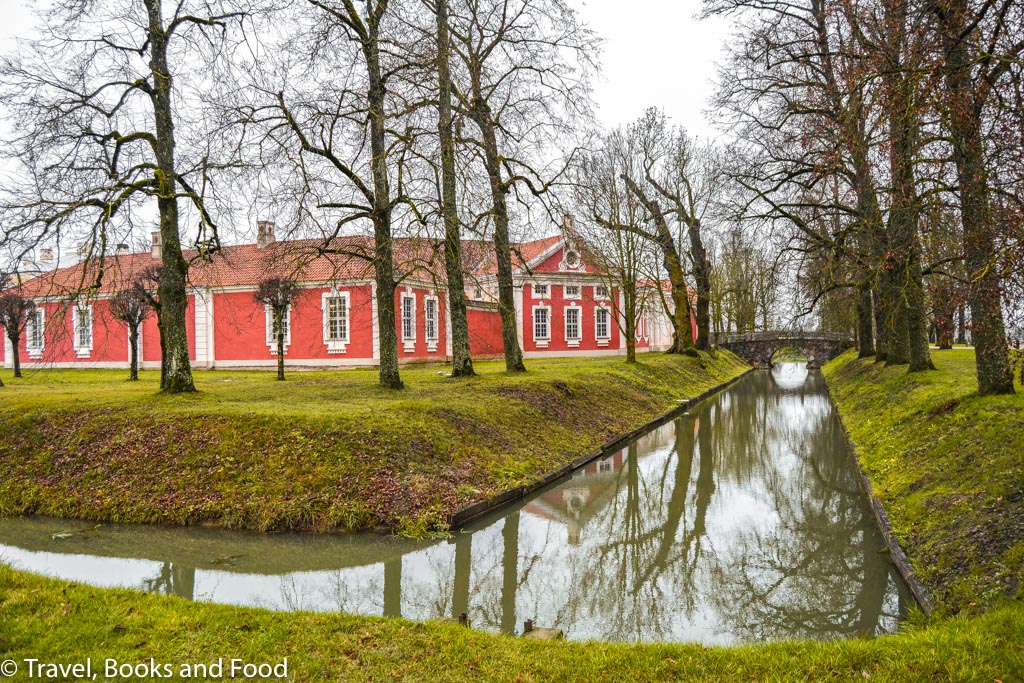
x: 323, y: 451
x: 65, y: 621
x: 948, y: 466
x: 738, y: 521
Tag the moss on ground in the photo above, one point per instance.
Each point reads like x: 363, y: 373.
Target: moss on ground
x: 322, y: 450
x: 949, y: 467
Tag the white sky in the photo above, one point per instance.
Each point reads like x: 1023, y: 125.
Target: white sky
x: 656, y: 54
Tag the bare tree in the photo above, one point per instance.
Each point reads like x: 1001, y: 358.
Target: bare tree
x: 132, y: 306
x: 277, y: 294
x: 14, y: 313
x: 98, y: 118
x: 523, y: 79
x: 980, y: 44
x: 462, y: 362
x: 619, y: 254
x: 320, y: 122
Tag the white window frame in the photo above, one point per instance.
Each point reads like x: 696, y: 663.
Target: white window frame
x: 82, y: 350
x: 599, y: 295
x: 36, y: 321
x: 431, y: 301
x: 642, y: 331
x: 574, y: 342
x: 408, y: 342
x: 541, y: 291
x: 574, y: 294
x: 541, y: 341
x: 271, y: 338
x: 336, y: 345
x: 605, y: 340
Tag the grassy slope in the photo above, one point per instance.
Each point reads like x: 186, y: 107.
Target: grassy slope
x: 55, y: 621
x: 949, y: 467
x: 323, y: 450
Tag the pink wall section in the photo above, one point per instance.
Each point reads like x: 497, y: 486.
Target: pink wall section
x: 420, y: 346
x: 240, y: 326
x: 484, y: 332
x: 557, y: 301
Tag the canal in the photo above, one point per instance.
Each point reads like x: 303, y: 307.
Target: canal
x: 742, y: 521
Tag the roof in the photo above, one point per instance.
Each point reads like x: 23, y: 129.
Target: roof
x: 343, y: 258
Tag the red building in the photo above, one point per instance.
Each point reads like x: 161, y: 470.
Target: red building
x: 563, y: 306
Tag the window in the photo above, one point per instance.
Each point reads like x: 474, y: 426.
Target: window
x: 540, y: 291
x: 83, y: 330
x: 603, y: 330
x: 430, y: 318
x: 408, y: 318
x: 540, y: 323
x: 604, y: 466
x: 34, y: 337
x: 337, y: 318
x: 572, y: 324
x: 600, y: 291
x: 335, y: 306
x: 272, y: 327
x: 478, y: 293
x: 572, y: 291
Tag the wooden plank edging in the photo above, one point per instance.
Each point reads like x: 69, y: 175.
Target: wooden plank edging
x: 474, y: 511
x: 896, y: 553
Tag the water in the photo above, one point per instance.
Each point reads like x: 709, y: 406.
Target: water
x: 741, y: 522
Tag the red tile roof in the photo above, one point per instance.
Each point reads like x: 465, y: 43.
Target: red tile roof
x: 344, y: 258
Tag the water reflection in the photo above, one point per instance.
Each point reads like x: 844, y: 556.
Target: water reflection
x: 740, y: 522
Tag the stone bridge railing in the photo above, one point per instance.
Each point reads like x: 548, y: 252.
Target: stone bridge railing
x: 780, y: 335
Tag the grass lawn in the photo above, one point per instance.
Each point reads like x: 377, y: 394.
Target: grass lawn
x: 949, y: 467
x: 323, y: 450
x: 56, y: 621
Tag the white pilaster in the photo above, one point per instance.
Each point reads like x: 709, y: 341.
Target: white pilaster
x: 517, y: 296
x: 376, y: 321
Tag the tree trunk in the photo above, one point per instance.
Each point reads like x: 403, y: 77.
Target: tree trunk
x: 961, y: 333
x: 904, y: 243
x: 881, y: 331
x: 383, y: 258
x: 702, y: 282
x: 629, y: 315
x: 15, y: 353
x: 865, y: 334
x: 682, y: 332
x: 481, y: 114
x: 462, y: 361
x: 176, y: 370
x: 965, y: 104
x: 133, y: 345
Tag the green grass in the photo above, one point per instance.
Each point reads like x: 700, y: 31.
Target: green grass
x: 56, y: 621
x: 949, y: 467
x: 323, y: 450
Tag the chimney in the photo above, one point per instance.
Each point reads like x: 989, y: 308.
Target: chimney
x: 568, y: 222
x: 157, y: 246
x: 264, y: 234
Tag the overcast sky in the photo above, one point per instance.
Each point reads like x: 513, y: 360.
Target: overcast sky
x: 656, y: 54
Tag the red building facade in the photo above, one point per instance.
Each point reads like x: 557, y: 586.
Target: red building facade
x: 563, y: 308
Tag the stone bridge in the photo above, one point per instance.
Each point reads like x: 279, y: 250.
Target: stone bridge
x: 757, y: 348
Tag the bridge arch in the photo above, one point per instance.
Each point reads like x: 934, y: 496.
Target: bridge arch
x: 758, y: 348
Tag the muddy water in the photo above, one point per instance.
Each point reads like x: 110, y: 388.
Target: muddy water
x: 740, y: 522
